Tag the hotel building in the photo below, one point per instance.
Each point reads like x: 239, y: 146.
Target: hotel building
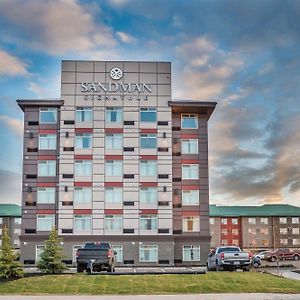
x: 116, y: 159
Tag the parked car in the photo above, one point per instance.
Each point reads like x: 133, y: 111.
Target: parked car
x: 95, y: 257
x: 256, y: 262
x: 262, y: 254
x: 283, y: 254
x: 229, y: 258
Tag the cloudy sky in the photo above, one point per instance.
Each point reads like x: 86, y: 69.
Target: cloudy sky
x: 242, y: 54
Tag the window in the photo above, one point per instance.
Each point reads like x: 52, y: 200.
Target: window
x: 282, y: 220
x: 224, y: 242
x: 235, y: 232
x: 148, y: 222
x: 191, y: 253
x: 45, y: 195
x: 148, y: 195
x: 295, y: 220
x: 265, y: 243
x: 82, y: 223
x: 38, y: 252
x: 148, y: 168
x: 47, y: 141
x: 283, y: 230
x: 296, y: 242
x: 113, y: 195
x: 211, y: 221
x: 83, y: 167
x: 83, y: 141
x: 75, y: 248
x: 113, y: 168
x: 83, y: 195
x: 264, y: 231
x: 234, y: 221
x: 84, y: 114
x: 148, y: 114
x: 189, y: 146
x: 114, y: 114
x: 190, y: 197
x: 113, y: 141
x: 17, y: 221
x: 235, y: 242
x: 113, y: 222
x: 190, y: 224
x: 295, y: 230
x: 284, y: 242
x: 48, y: 115
x: 47, y: 168
x: 252, y: 221
x: 264, y: 221
x: 189, y: 121
x: 148, y: 141
x: 224, y: 231
x: 148, y: 253
x: 224, y: 221
x: 190, y: 171
x: 252, y: 231
x: 45, y: 222
x: 119, y: 255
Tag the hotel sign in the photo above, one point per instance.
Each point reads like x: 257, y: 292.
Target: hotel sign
x: 115, y: 91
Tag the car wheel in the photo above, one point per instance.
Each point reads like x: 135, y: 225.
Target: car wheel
x: 256, y: 265
x: 296, y: 257
x: 80, y: 268
x: 273, y: 258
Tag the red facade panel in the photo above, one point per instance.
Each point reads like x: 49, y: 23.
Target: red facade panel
x: 113, y: 157
x: 190, y: 161
x: 113, y: 184
x: 83, y: 130
x: 46, y: 184
x: 148, y: 130
x: 148, y: 184
x: 148, y: 157
x: 189, y: 136
x: 190, y: 187
x: 113, y: 211
x: 82, y: 211
x: 190, y: 213
x: 148, y: 211
x: 45, y: 211
x: 83, y: 157
x: 113, y: 130
x: 47, y: 157
x: 82, y: 183
x: 47, y: 131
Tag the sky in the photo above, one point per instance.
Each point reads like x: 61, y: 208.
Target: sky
x: 242, y: 54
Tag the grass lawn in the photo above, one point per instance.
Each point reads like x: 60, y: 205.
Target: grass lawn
x: 213, y: 282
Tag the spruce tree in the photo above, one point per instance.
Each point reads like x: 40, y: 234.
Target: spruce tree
x: 50, y: 259
x: 9, y: 266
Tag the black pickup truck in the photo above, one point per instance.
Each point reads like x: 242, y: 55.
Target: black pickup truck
x: 95, y: 257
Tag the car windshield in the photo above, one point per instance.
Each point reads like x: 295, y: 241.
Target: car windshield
x: 229, y: 249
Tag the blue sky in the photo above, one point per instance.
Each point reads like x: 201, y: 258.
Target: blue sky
x: 242, y: 54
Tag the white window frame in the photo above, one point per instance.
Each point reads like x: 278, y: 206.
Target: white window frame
x: 235, y: 221
x: 190, y: 171
x: 154, y: 222
x: 109, y: 219
x: 85, y: 109
x: 47, y: 163
x: 264, y: 221
x: 75, y: 248
x: 45, y: 216
x: 49, y: 138
x: 192, y: 247
x: 115, y: 171
x: 110, y: 109
x: 194, y: 116
x: 119, y: 255
x: 82, y: 136
x: 146, y: 195
x: 252, y: 221
x: 117, y: 195
x: 37, y: 249
x: 196, y: 223
x: 212, y: 221
x: 87, y: 218
x: 190, y: 146
x: 88, y: 190
x: 85, y: 163
x: 155, y: 247
x: 191, y: 194
x: 282, y: 220
x: 295, y: 220
x: 114, y: 141
x: 47, y: 109
x: 148, y: 110
x: 224, y: 221
x: 148, y: 136
x: 146, y: 168
x: 46, y: 190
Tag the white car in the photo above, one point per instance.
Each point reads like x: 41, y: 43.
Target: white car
x: 261, y: 254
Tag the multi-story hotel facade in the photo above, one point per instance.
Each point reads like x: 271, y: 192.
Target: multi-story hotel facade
x: 116, y: 159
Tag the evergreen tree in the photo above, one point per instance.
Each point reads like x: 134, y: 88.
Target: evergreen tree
x: 9, y: 266
x: 50, y: 259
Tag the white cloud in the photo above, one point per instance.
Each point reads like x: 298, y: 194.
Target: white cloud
x: 45, y: 88
x: 118, y: 3
x: 15, y: 125
x: 11, y: 65
x: 125, y: 37
x: 58, y: 26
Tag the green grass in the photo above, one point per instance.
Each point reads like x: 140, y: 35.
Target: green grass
x: 213, y: 282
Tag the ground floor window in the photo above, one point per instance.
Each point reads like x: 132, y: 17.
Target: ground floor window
x: 119, y: 255
x: 38, y: 251
x: 148, y: 253
x: 75, y: 248
x: 191, y: 253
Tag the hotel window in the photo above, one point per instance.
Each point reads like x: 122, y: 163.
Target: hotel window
x: 148, y: 141
x: 224, y: 242
x: 148, y: 195
x: 224, y: 231
x: 190, y: 224
x: 252, y: 221
x: 148, y: 114
x: 211, y: 221
x: 83, y: 141
x: 82, y: 223
x: 45, y: 222
x: 264, y: 231
x: 234, y: 221
x: 113, y: 195
x: 189, y: 146
x: 295, y: 230
x: 296, y: 242
x: 284, y: 242
x: 114, y: 114
x: 189, y: 121
x: 190, y: 197
x: 235, y: 232
x: 148, y: 222
x: 47, y: 168
x: 191, y: 253
x: 83, y: 195
x: 48, y: 115
x: 264, y: 221
x: 283, y: 230
x: 75, y: 248
x: 119, y: 255
x: 148, y: 253
x: 47, y: 141
x: 235, y: 242
x: 38, y: 252
x: 190, y: 171
x: 83, y: 167
x: 113, y: 222
x: 84, y: 114
x: 148, y: 168
x: 224, y: 221
x: 282, y: 220
x: 113, y: 168
x: 45, y: 195
x: 113, y: 141
x: 295, y: 220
